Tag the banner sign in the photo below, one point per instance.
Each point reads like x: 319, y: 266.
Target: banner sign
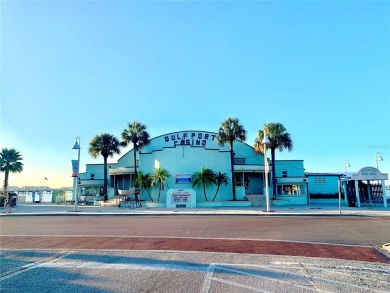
x: 183, y: 178
x: 75, y: 168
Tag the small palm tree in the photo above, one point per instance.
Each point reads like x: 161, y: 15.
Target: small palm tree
x: 105, y: 145
x: 159, y: 177
x: 144, y: 181
x: 220, y: 178
x: 230, y: 131
x: 10, y: 161
x: 204, y: 177
x: 279, y: 140
x: 136, y: 134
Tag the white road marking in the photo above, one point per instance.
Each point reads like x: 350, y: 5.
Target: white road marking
x: 278, y: 267
x: 278, y: 273
x: 26, y: 268
x: 125, y: 266
x: 207, y: 281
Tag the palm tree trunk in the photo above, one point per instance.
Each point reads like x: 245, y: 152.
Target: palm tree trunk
x: 159, y: 191
x: 232, y: 167
x: 219, y: 185
x: 149, y: 194
x: 5, y: 186
x: 204, y: 192
x: 105, y: 180
x: 273, y: 173
x: 135, y: 164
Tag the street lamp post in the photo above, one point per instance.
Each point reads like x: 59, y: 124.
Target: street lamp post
x: 77, y: 147
x: 378, y: 158
x: 265, y: 141
x: 346, y: 165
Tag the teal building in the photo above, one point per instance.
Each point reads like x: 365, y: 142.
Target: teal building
x: 182, y: 154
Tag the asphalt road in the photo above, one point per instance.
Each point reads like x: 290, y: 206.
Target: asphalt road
x: 188, y: 254
x: 337, y: 230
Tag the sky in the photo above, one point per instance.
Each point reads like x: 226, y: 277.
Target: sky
x: 80, y: 68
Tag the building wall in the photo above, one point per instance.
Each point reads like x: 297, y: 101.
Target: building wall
x: 294, y: 168
x: 184, y: 153
x: 322, y: 183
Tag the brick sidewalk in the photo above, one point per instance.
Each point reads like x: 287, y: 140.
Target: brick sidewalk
x: 357, y: 253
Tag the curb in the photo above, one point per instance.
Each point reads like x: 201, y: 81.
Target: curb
x: 177, y: 214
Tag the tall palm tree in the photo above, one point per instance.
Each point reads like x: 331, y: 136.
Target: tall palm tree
x: 204, y: 177
x: 105, y: 145
x: 230, y: 131
x: 159, y: 176
x: 220, y: 178
x: 144, y: 181
x: 279, y: 140
x: 10, y: 161
x: 136, y: 134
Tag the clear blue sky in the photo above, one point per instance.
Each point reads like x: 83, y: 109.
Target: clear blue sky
x: 69, y: 68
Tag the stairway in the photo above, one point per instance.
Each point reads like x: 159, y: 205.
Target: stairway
x: 257, y: 200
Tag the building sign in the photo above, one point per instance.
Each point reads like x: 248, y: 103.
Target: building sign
x: 183, y: 179
x: 369, y: 173
x: 199, y: 139
x: 181, y: 197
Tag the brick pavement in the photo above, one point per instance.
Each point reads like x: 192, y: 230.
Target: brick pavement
x: 357, y: 253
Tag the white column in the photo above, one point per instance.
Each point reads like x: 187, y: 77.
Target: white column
x: 346, y: 192
x: 369, y: 191
x: 384, y: 193
x: 357, y: 193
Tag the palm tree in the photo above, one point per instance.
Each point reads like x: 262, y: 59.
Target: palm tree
x: 204, y: 177
x: 279, y: 139
x: 136, y: 134
x: 220, y: 178
x: 230, y: 131
x: 10, y: 161
x: 159, y: 176
x: 144, y: 181
x: 106, y: 145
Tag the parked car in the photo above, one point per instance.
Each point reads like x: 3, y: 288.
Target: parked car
x: 13, y: 196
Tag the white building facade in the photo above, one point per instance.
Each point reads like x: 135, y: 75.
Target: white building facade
x: 185, y: 152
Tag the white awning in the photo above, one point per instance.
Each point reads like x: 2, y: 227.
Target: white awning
x: 121, y: 171
x: 248, y: 168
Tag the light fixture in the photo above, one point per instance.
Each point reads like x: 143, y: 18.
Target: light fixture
x: 378, y: 158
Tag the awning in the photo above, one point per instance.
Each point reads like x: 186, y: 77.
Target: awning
x: 121, y: 171
x: 248, y: 168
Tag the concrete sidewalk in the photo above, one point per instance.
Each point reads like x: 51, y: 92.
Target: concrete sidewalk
x: 42, y: 209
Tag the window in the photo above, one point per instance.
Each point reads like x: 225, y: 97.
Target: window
x: 239, y: 161
x: 290, y: 189
x: 92, y: 176
x: 238, y: 180
x: 284, y: 173
x: 319, y: 180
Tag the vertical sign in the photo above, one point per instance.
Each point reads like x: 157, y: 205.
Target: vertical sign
x: 75, y: 168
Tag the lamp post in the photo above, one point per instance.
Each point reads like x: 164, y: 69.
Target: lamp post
x: 44, y: 188
x: 77, y: 147
x: 378, y: 158
x: 265, y: 141
x: 347, y: 165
